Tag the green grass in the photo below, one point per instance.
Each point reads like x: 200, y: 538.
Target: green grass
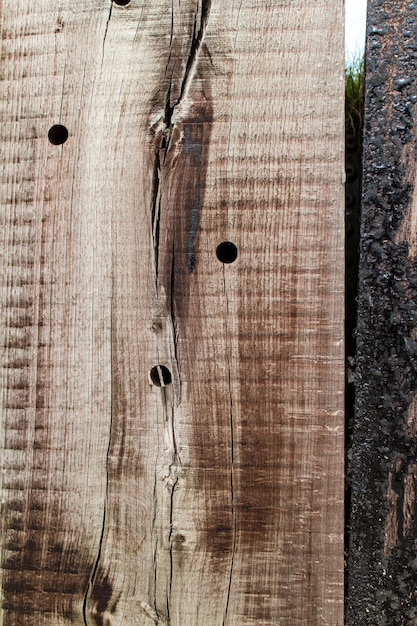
x: 354, y: 89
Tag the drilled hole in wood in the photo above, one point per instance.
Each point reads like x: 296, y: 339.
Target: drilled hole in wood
x: 57, y: 134
x: 160, y: 376
x: 226, y: 252
x: 121, y: 3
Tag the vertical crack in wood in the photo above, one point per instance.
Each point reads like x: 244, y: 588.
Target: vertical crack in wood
x: 154, y: 537
x: 166, y: 129
x: 232, y: 457
x: 90, y: 586
x: 197, y: 41
x: 166, y: 136
x: 106, y: 30
x: 93, y: 576
x: 173, y: 329
x: 156, y: 211
x: 192, y: 59
x: 226, y: 611
x: 170, y: 482
x: 162, y: 533
x: 171, y: 513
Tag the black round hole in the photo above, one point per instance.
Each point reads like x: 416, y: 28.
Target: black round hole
x: 351, y: 173
x: 121, y: 3
x: 351, y: 200
x: 57, y: 134
x: 351, y: 143
x: 226, y: 252
x: 161, y: 376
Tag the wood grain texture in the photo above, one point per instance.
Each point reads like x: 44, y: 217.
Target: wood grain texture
x: 216, y: 499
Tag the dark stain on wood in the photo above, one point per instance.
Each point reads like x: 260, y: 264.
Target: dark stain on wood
x: 192, y: 145
x: 38, y: 574
x: 382, y: 565
x: 102, y: 599
x: 182, y: 171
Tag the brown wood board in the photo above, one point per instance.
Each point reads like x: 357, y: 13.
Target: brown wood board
x: 217, y: 498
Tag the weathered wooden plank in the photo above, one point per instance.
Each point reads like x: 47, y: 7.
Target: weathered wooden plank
x: 218, y: 497
x: 55, y: 273
x: 382, y: 568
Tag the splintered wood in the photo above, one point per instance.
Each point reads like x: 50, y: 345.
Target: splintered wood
x: 172, y: 424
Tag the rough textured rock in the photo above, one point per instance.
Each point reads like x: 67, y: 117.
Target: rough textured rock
x: 383, y: 565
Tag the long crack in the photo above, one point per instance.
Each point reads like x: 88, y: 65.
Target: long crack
x: 106, y: 30
x: 156, y: 211
x: 161, y: 148
x: 163, y: 137
x: 198, y: 36
x: 232, y: 462
x: 106, y: 494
